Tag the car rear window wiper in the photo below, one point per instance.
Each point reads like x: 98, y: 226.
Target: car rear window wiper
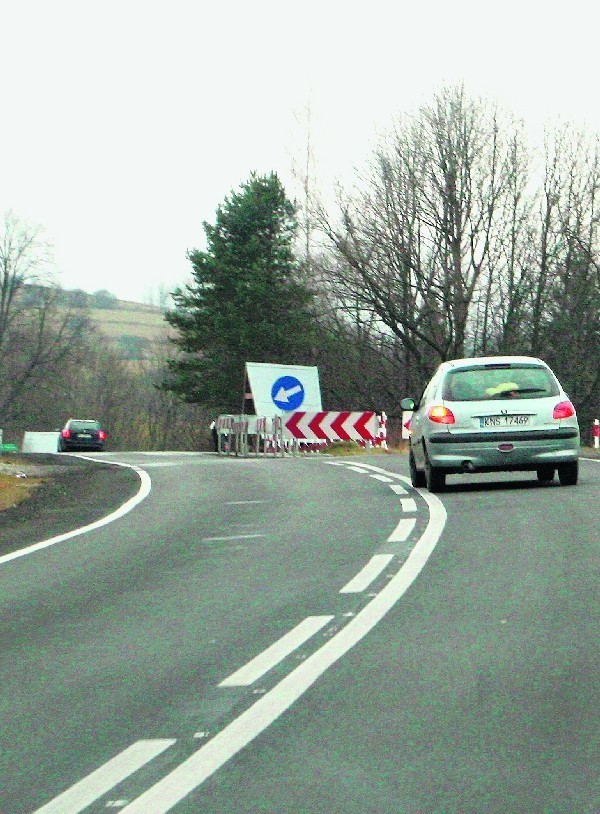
x: 530, y: 390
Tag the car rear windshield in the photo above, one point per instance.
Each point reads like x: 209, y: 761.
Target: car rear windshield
x: 76, y: 426
x: 510, y: 381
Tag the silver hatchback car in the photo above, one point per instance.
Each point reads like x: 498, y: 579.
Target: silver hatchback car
x: 495, y: 413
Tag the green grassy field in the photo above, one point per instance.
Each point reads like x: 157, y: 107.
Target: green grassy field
x: 133, y: 328
x: 142, y: 321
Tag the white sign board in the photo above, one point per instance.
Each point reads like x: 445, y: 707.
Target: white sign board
x: 40, y: 442
x: 281, y: 389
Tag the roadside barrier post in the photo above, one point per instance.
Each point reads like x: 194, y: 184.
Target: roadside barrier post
x: 278, y: 435
x: 383, y: 431
x: 240, y: 431
x: 224, y: 433
x: 596, y: 433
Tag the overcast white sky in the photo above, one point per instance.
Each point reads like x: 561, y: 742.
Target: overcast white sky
x: 125, y: 124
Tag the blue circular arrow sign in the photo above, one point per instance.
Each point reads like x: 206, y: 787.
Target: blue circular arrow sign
x: 287, y: 393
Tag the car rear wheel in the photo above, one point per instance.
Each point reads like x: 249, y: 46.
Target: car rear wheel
x: 416, y: 478
x: 545, y: 473
x: 568, y: 473
x: 434, y: 477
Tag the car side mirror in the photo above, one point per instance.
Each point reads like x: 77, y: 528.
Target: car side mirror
x: 408, y: 404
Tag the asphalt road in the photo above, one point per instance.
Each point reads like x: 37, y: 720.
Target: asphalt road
x: 221, y: 647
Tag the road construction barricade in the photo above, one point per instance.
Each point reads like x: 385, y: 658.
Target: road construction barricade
x: 224, y: 426
x: 299, y: 432
x: 240, y: 435
x: 260, y: 438
x: 268, y: 437
x: 250, y: 434
x: 381, y: 440
x: 263, y: 439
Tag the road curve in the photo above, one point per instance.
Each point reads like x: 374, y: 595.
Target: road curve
x: 134, y: 648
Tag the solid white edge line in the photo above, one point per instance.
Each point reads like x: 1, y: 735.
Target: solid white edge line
x: 269, y: 658
x: 366, y: 575
x: 190, y: 774
x: 103, y: 779
x: 143, y: 492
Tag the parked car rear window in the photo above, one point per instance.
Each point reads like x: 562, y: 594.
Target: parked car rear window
x: 499, y: 382
x: 84, y: 425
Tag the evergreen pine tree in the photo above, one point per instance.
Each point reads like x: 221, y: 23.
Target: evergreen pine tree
x: 245, y: 303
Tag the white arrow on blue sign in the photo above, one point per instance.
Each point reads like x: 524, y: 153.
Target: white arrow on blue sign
x: 287, y: 393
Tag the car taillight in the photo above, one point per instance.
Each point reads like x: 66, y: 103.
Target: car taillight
x: 66, y: 433
x: 441, y: 415
x: 563, y: 409
x: 101, y: 435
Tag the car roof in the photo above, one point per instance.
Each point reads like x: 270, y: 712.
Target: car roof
x: 492, y: 360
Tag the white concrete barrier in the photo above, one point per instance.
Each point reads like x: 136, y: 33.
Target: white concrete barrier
x: 40, y: 442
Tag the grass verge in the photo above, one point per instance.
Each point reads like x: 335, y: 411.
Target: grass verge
x: 16, y: 488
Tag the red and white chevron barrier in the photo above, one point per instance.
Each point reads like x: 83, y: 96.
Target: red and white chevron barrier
x: 331, y: 426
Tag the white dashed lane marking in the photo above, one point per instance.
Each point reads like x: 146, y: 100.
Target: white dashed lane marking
x: 365, y: 577
x: 270, y: 657
x: 399, y: 490
x: 242, y: 502
x: 402, y: 530
x: 101, y: 781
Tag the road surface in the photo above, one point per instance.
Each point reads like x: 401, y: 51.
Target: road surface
x: 307, y: 635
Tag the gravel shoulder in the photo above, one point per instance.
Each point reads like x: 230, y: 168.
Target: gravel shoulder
x: 75, y: 492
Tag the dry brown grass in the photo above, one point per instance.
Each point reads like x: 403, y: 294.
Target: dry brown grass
x: 15, y: 489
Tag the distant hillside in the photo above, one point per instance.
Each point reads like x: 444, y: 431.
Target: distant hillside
x: 132, y: 326
x: 146, y: 321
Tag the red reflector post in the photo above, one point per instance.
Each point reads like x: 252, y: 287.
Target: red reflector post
x: 563, y: 409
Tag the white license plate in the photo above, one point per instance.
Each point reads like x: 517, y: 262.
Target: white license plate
x: 504, y: 420
x: 84, y: 435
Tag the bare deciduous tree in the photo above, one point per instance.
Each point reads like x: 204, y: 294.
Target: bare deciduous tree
x: 37, y: 330
x: 419, y: 236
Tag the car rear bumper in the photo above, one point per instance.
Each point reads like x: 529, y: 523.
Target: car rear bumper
x: 81, y: 446
x: 504, y: 451
x: 504, y: 436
